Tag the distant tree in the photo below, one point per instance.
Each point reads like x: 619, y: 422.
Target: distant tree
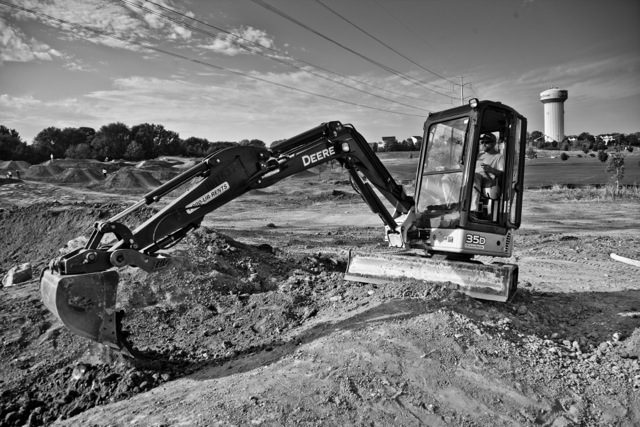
x: 632, y: 138
x: 407, y: 145
x: 11, y: 145
x: 603, y: 156
x: 167, y: 142
x: 111, y: 141
x: 155, y: 140
x: 565, y: 146
x: 88, y: 132
x: 564, y: 157
x: 253, y: 143
x: 531, y: 153
x: 195, y: 147
x: 219, y: 145
x: 70, y: 137
x: 134, y: 152
x: 80, y: 151
x: 374, y: 147
x: 49, y: 141
x: 536, y: 136
x: 392, y: 145
x: 586, y: 136
x: 615, y: 168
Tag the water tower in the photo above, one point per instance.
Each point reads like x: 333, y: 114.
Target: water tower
x: 553, y: 100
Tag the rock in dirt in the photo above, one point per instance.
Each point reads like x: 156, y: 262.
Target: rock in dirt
x: 18, y: 274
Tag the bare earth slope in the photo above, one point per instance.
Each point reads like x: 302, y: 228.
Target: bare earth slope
x: 257, y: 326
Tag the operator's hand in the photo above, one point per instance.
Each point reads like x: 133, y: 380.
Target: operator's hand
x: 488, y: 169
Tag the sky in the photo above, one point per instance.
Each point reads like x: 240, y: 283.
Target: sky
x: 228, y: 70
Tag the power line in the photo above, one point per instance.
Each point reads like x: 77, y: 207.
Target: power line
x: 276, y: 51
x: 414, y: 33
x: 386, y: 45
x: 258, y: 52
x: 197, y: 61
x: 374, y: 62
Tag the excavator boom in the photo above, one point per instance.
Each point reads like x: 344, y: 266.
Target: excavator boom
x: 80, y: 288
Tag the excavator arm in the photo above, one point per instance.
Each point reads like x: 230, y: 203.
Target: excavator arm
x: 80, y: 288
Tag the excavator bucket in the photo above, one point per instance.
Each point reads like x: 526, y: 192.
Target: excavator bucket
x: 85, y: 304
x: 495, y: 282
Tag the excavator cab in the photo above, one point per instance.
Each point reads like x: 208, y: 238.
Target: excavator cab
x: 457, y: 216
x: 458, y: 208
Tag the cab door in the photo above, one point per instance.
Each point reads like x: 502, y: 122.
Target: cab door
x: 501, y: 208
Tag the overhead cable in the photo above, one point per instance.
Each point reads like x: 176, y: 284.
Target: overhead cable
x: 197, y: 61
x: 372, y: 61
x: 272, y: 50
x: 386, y: 45
x: 258, y: 46
x: 414, y: 33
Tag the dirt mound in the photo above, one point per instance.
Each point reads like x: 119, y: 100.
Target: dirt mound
x: 267, y: 332
x: 74, y: 163
x: 164, y: 175
x: 180, y: 162
x: 80, y: 175
x: 154, y: 164
x: 14, y: 165
x: 43, y: 171
x: 129, y: 178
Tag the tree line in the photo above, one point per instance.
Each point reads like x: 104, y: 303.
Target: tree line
x: 149, y: 141
x: 583, y: 142
x: 111, y: 141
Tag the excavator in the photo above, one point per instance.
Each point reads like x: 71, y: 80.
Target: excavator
x: 437, y: 235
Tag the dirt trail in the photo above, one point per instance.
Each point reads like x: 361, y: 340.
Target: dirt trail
x: 258, y: 327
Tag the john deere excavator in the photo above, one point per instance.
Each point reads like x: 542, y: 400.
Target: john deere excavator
x: 436, y: 234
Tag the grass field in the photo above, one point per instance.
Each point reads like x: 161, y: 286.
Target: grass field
x: 545, y: 171
x: 575, y: 171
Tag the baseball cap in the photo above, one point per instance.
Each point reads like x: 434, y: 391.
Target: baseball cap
x: 488, y: 137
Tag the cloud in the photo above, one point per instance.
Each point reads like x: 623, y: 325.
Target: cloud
x: 605, y: 78
x: 243, y: 40
x: 18, y: 47
x: 119, y: 20
x: 151, y: 11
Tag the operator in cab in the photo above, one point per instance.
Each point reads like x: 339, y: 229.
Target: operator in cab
x: 489, y: 170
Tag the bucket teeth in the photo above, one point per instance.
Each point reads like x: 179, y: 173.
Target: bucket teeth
x: 495, y: 282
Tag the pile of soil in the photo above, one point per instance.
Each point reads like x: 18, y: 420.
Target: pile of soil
x: 164, y: 175
x: 75, y: 163
x: 154, y: 164
x: 13, y: 165
x: 130, y: 179
x: 42, y: 171
x: 86, y: 176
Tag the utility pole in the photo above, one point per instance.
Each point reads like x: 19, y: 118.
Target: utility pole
x: 462, y: 84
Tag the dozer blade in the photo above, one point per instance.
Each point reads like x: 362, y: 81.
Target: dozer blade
x: 85, y: 304
x: 495, y: 282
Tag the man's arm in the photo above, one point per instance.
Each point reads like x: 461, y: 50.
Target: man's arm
x: 497, y: 171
